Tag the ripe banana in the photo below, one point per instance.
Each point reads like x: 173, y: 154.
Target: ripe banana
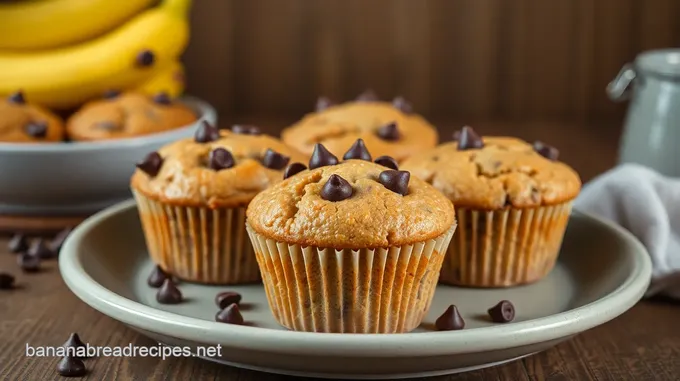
x: 65, y: 78
x: 169, y: 79
x: 46, y: 24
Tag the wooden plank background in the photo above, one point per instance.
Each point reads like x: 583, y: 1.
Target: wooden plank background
x: 481, y: 59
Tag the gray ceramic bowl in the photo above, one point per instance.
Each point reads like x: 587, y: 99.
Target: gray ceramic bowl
x: 79, y: 178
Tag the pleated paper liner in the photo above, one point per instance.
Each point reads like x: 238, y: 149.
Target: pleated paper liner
x: 200, y: 245
x: 317, y: 289
x: 505, y: 247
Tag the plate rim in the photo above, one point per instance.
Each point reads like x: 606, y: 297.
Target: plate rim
x: 420, y: 344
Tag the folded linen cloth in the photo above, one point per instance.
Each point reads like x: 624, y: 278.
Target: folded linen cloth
x: 647, y: 204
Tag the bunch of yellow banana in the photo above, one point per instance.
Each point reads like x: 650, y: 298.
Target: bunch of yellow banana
x: 62, y: 53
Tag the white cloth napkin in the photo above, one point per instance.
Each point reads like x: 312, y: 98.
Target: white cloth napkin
x: 647, y: 204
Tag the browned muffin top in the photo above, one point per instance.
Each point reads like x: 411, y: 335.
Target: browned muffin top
x: 22, y: 122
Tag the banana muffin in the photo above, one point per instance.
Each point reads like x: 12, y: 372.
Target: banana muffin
x: 350, y: 247
x: 513, y: 201
x: 127, y: 115
x: 390, y: 129
x: 192, y: 195
x: 22, y: 122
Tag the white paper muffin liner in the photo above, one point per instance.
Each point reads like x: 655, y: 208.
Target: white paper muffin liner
x: 384, y: 290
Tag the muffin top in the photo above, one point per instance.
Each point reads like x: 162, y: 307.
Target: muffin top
x: 496, y: 172
x: 127, y: 115
x: 21, y: 122
x: 350, y: 205
x: 215, y: 168
x: 387, y: 128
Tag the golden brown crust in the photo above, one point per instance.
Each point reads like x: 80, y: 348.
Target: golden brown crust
x: 15, y: 118
x: 185, y: 180
x: 373, y: 217
x: 506, y: 172
x: 338, y: 127
x: 125, y: 116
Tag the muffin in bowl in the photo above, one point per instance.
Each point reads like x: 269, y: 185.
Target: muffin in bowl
x: 513, y: 201
x: 24, y: 122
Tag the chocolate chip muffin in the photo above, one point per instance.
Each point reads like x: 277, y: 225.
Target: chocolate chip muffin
x: 350, y: 247
x: 192, y: 196
x: 21, y: 122
x: 127, y: 115
x: 513, y: 201
x: 390, y: 129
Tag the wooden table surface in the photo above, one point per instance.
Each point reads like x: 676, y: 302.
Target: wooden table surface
x: 642, y: 344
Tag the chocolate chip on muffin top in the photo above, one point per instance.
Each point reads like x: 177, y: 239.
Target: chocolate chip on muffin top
x: 23, y: 122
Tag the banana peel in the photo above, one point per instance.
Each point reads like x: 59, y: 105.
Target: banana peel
x: 169, y: 80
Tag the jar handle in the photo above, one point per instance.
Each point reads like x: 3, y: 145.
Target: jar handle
x: 618, y: 89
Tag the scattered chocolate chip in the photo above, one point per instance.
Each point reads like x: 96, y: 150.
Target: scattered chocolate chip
x: 230, y: 315
x: 151, y: 164
x: 403, y: 105
x: 368, y: 96
x: 503, y: 312
x: 321, y: 157
x: 59, y: 239
x: 169, y: 293
x: 323, y: 103
x: 71, y: 367
x: 389, y: 132
x: 36, y: 129
x: 226, y: 298
x: 469, y: 139
x: 387, y: 161
x: 162, y: 98
x: 6, y: 281
x: 548, y: 152
x: 293, y: 169
x: 18, y: 243
x: 145, y: 58
x: 358, y: 151
x: 17, y: 98
x: 111, y: 94
x: 245, y: 130
x: 336, y: 189
x: 74, y: 341
x: 206, y: 133
x: 396, y: 181
x: 157, y: 277
x: 219, y: 159
x: 29, y: 263
x: 108, y: 125
x: 450, y: 320
x: 40, y: 249
x: 456, y: 136
x: 274, y: 160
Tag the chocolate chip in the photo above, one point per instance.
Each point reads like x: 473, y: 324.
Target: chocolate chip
x: 157, y: 277
x: 162, y: 98
x: 111, y: 94
x: 18, y: 243
x: 548, y: 152
x: 206, y: 133
x: 469, y: 139
x: 293, y: 169
x: 245, y: 130
x: 226, y: 298
x: 36, y: 129
x: 323, y: 103
x: 145, y: 58
x: 274, y: 160
x: 109, y: 126
x: 358, y: 151
x: 336, y: 189
x: 367, y: 96
x: 74, y: 341
x: 219, y: 159
x: 71, y: 367
x: 40, y: 249
x: 450, y: 320
x: 151, y: 164
x: 389, y: 132
x: 230, y: 315
x: 387, y: 161
x: 29, y: 263
x: 59, y: 239
x: 321, y: 157
x: 402, y: 105
x: 396, y: 181
x: 17, y: 98
x: 6, y: 281
x: 169, y: 293
x: 503, y: 312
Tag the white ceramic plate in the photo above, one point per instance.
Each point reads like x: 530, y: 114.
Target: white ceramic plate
x: 602, y: 272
